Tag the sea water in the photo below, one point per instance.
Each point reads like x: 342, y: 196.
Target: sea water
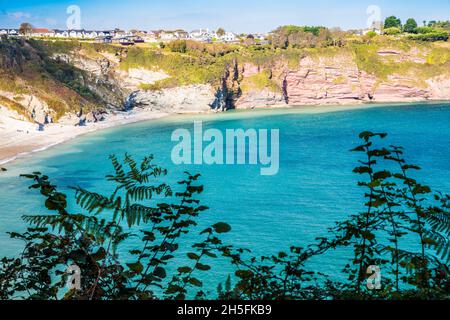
x: 314, y: 188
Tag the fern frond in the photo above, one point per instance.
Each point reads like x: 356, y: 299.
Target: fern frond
x: 146, y: 192
x: 137, y: 213
x: 91, y: 201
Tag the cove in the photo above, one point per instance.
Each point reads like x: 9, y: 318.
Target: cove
x: 315, y: 186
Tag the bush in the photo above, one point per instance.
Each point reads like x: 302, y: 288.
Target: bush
x: 90, y: 241
x: 392, y: 31
x: 422, y: 30
x: 436, y: 35
x: 178, y: 46
x: 371, y: 34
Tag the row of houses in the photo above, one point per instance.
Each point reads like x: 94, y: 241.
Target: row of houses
x: 54, y: 33
x: 202, y: 35
x: 9, y: 32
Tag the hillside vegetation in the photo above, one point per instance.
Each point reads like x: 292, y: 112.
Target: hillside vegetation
x: 195, y: 66
x: 29, y: 68
x: 26, y: 70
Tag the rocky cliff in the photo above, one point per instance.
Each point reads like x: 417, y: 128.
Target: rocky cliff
x: 80, y: 85
x: 339, y: 79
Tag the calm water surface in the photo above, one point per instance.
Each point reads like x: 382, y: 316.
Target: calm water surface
x: 314, y: 188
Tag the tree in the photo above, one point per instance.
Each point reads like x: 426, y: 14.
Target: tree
x: 301, y: 37
x: 338, y: 36
x: 221, y: 32
x: 410, y: 26
x: 324, y: 38
x: 25, y: 28
x: 392, y: 22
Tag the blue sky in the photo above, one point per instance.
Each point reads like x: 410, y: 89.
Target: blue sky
x: 234, y: 15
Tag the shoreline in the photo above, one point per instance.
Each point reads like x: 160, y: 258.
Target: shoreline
x: 22, y: 139
x: 15, y: 143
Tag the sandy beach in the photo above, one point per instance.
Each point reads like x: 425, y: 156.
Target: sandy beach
x: 19, y: 138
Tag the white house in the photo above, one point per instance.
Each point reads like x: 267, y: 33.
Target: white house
x: 259, y: 36
x: 182, y: 35
x: 61, y: 33
x: 108, y: 33
x: 376, y: 27
x: 151, y: 37
x: 90, y: 34
x: 168, y: 36
x: 13, y: 32
x: 202, y: 35
x: 76, y: 33
x: 228, y: 37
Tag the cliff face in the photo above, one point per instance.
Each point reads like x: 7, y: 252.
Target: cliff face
x: 98, y: 76
x: 340, y: 80
x: 123, y: 89
x: 39, y: 88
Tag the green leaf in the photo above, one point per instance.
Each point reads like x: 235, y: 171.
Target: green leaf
x: 202, y: 267
x: 222, y: 227
x: 208, y: 230
x: 173, y: 289
x: 184, y: 270
x: 160, y: 272
x: 210, y: 254
x: 244, y: 274
x: 136, y: 267
x: 99, y: 255
x: 195, y: 282
x: 193, y: 256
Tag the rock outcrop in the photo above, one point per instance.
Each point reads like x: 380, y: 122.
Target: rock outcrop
x: 134, y: 78
x: 187, y: 99
x: 99, y: 76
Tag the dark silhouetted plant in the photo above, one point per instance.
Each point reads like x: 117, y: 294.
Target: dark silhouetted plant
x: 396, y: 206
x: 403, y: 230
x: 91, y: 240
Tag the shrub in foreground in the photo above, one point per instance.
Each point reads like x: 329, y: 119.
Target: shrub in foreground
x: 398, y: 211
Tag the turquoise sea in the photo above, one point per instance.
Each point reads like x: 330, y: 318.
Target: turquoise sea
x: 314, y: 188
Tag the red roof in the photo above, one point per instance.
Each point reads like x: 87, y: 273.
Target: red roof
x: 41, y: 30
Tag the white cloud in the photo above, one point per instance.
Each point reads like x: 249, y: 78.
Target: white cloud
x: 19, y: 15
